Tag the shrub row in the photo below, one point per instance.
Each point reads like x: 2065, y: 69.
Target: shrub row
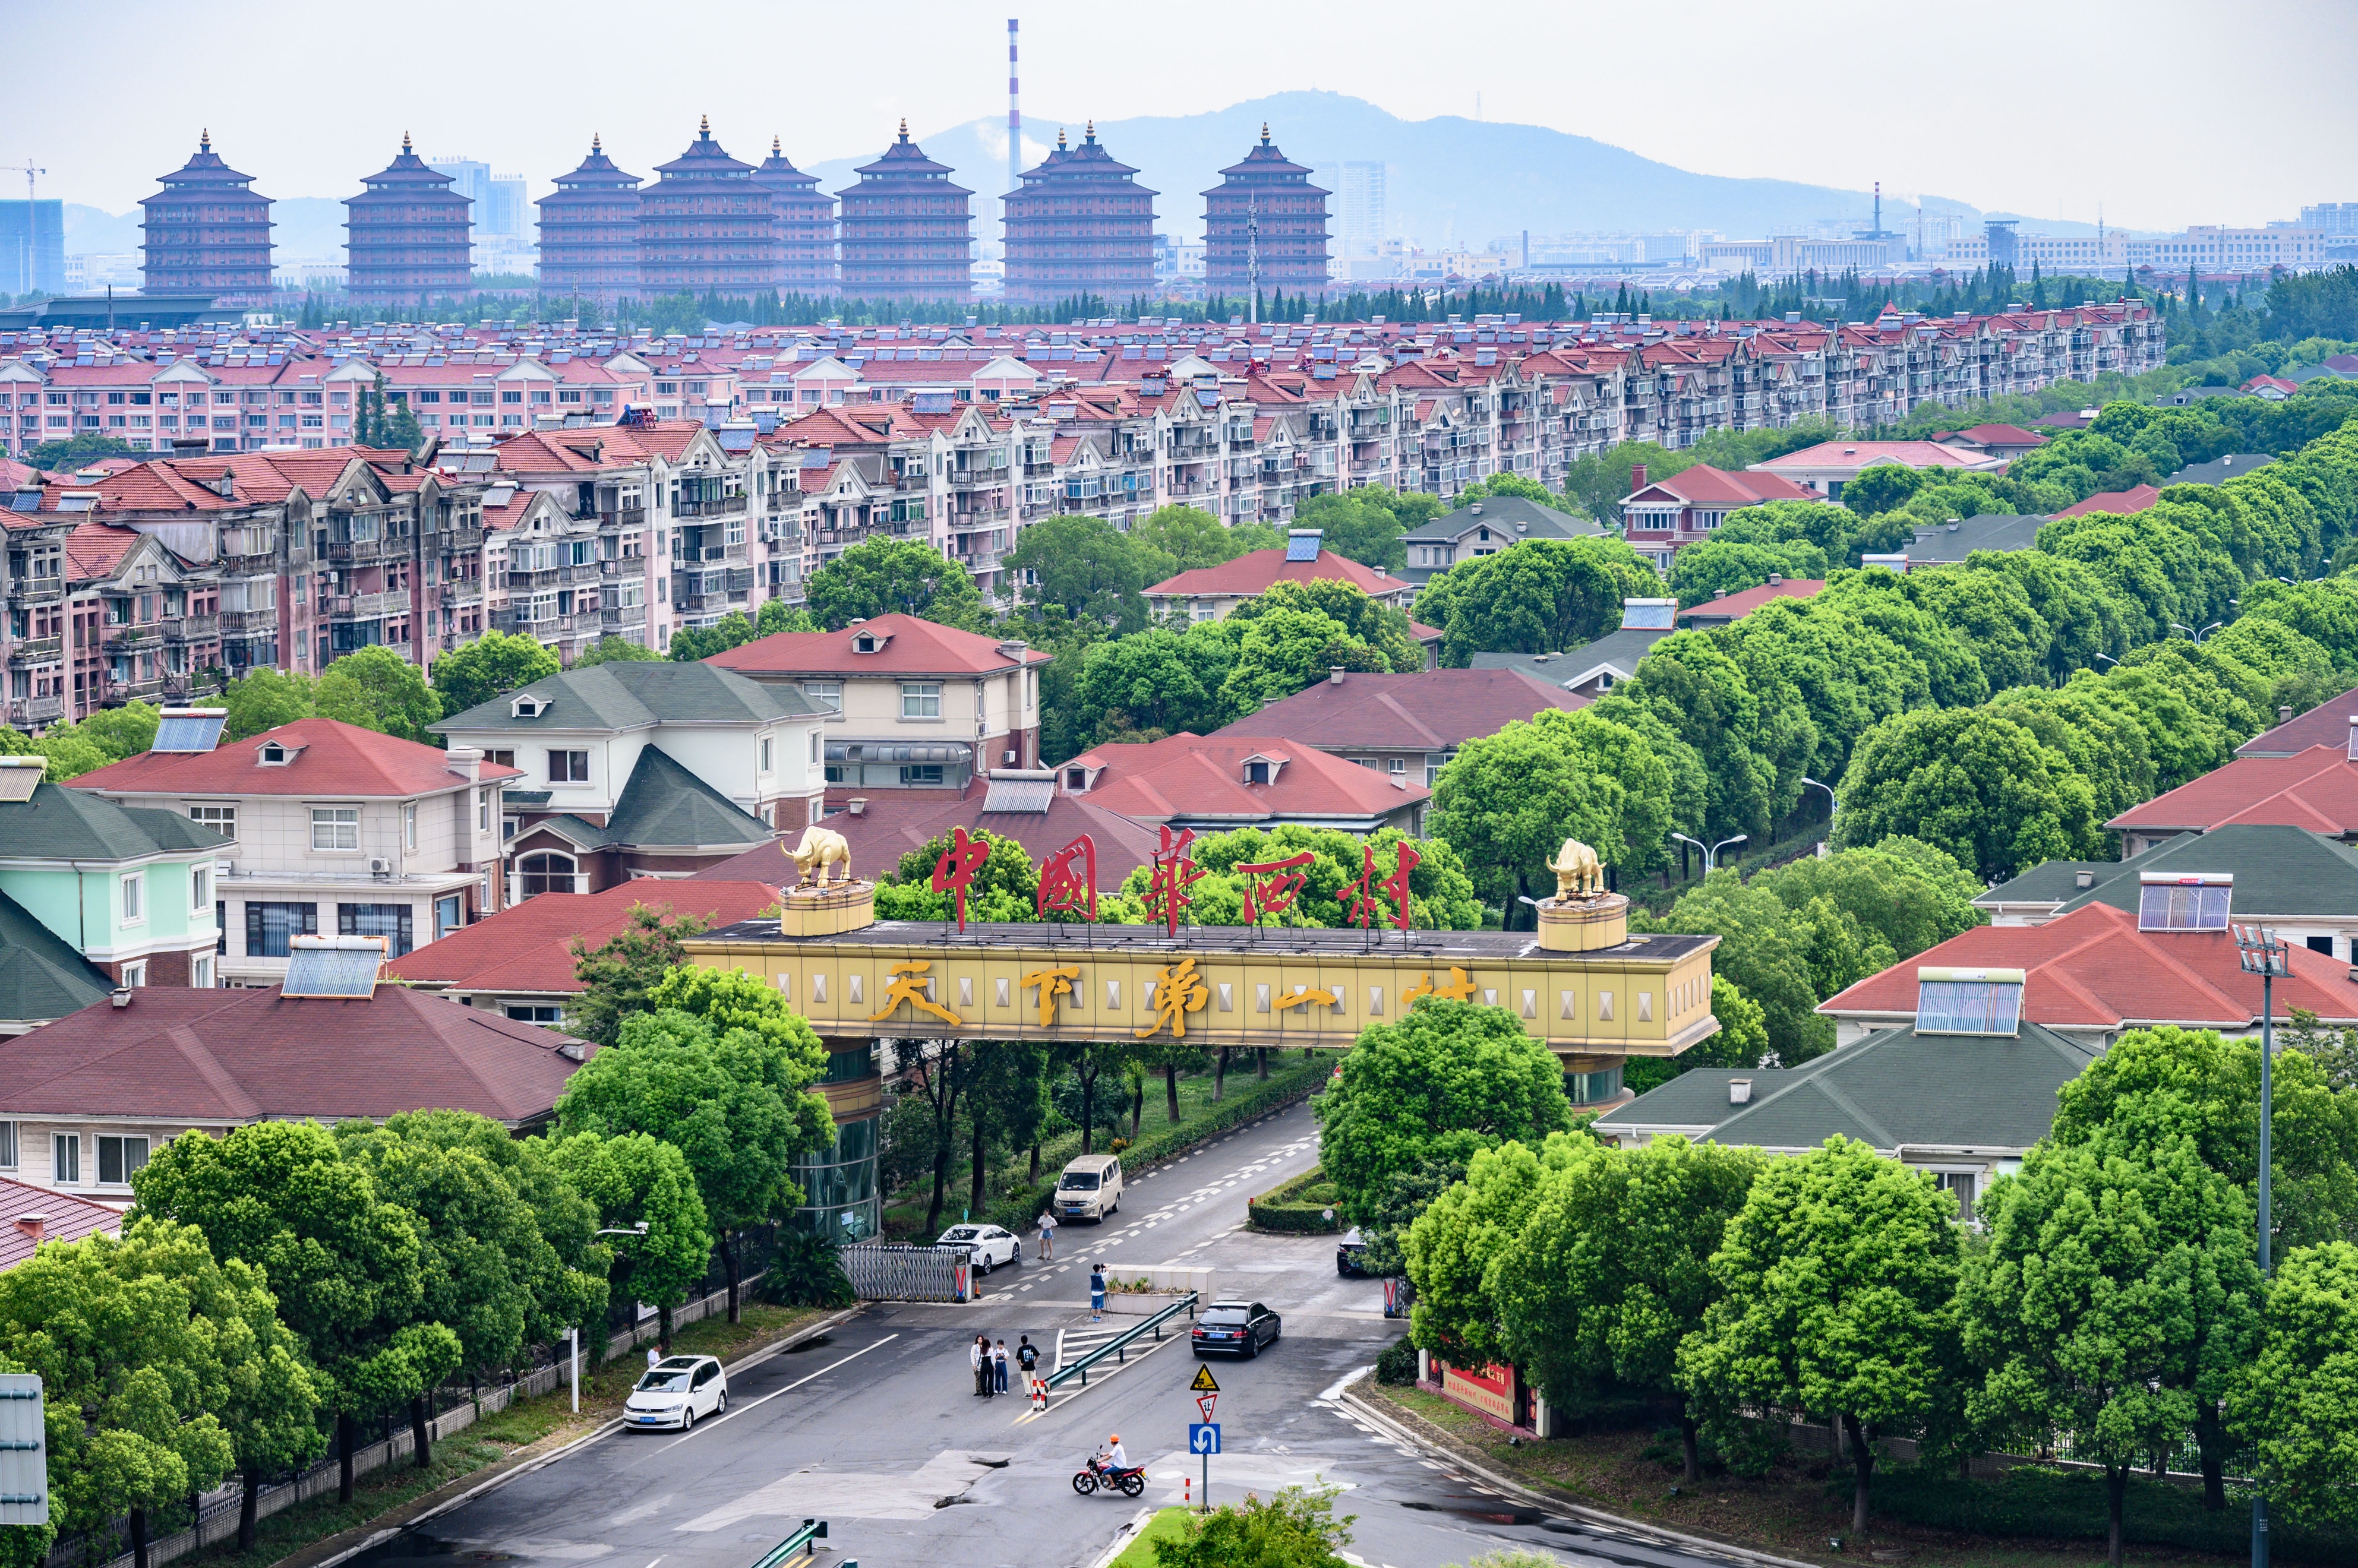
x: 1298, y: 1206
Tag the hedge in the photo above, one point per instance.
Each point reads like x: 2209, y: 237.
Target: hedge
x: 2069, y: 1505
x: 1285, y: 1209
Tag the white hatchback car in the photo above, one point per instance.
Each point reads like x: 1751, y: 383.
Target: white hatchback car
x: 676, y: 1391
x: 990, y: 1245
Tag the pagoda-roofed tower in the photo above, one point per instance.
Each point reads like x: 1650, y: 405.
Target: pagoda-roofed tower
x: 207, y: 231
x: 1080, y: 223
x: 408, y: 237
x: 590, y: 232
x: 907, y: 230
x: 706, y: 227
x: 1265, y: 209
x: 805, y: 223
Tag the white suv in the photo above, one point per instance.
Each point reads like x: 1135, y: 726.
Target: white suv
x: 676, y: 1391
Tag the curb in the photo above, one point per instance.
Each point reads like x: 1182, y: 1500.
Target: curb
x: 1122, y: 1539
x: 1404, y: 1432
x: 379, y: 1532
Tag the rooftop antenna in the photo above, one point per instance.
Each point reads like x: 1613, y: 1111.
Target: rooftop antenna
x: 1014, y: 120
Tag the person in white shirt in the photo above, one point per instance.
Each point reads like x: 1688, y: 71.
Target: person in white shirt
x: 1117, y: 1458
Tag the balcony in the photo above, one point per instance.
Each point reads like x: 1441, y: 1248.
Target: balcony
x: 126, y: 638
x: 717, y: 553
x: 189, y: 685
x: 192, y: 629
x: 467, y: 591
x: 355, y: 551
x: 623, y: 517
x: 248, y: 623
x: 135, y: 690
x: 368, y: 606
x: 37, y: 650
x: 24, y: 712
x: 718, y: 507
x: 622, y: 618
x: 32, y: 588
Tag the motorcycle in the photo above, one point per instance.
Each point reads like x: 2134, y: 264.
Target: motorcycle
x: 1129, y: 1482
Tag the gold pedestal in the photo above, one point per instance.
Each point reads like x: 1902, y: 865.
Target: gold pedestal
x: 828, y: 909
x: 1584, y: 924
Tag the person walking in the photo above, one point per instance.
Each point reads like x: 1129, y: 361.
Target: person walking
x: 1047, y: 1234
x: 1027, y: 1360
x: 1096, y: 1293
x: 998, y: 1367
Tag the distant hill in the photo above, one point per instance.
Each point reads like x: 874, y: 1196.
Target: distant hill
x: 1449, y: 179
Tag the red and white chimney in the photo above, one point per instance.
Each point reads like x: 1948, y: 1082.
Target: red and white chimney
x: 1637, y: 478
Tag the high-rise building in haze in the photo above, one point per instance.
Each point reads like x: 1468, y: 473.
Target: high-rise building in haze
x: 1361, y: 219
x: 407, y: 236
x: 907, y: 230
x: 207, y: 230
x: 1265, y: 223
x: 590, y: 232
x: 805, y: 223
x: 706, y: 226
x: 1079, y: 223
x: 32, y: 247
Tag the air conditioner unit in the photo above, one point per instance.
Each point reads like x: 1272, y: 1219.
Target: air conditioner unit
x: 380, y: 868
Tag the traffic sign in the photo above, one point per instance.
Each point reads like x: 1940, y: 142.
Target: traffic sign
x: 1205, y: 1402
x: 23, y: 1451
x: 1203, y: 1383
x: 1203, y: 1437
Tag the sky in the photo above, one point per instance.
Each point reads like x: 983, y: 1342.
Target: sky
x: 2161, y: 113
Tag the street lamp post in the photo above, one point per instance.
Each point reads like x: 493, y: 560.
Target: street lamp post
x: 1831, y: 801
x: 573, y: 1335
x: 1710, y: 852
x: 2197, y: 636
x: 2260, y: 952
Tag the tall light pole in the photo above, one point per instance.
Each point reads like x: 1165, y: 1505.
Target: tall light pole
x: 573, y: 1335
x: 1831, y: 801
x: 1710, y: 852
x: 2197, y: 636
x: 2260, y: 953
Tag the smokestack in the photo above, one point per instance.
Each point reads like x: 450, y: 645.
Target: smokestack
x: 1014, y: 120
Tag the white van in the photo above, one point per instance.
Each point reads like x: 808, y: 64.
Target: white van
x: 1090, y: 1188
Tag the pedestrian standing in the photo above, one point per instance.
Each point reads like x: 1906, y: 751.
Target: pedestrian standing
x: 1027, y: 1358
x: 980, y: 1363
x: 1096, y: 1293
x: 654, y: 1355
x: 1047, y: 1234
x: 998, y: 1367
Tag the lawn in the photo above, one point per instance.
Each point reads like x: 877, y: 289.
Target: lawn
x: 1168, y: 1524
x: 2027, y: 1518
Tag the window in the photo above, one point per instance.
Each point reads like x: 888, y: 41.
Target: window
x: 118, y: 1157
x: 1968, y: 1002
x: 409, y: 827
x: 1958, y: 1185
x: 483, y: 811
x: 921, y: 774
x: 1256, y: 772
x: 568, y: 767
x: 766, y: 746
x: 2172, y: 903
x: 920, y: 699
x: 8, y: 1144
x: 200, y: 889
x: 535, y: 1014
x: 133, y: 974
x: 200, y: 974
x: 390, y: 921
x: 545, y: 873
x: 335, y: 827
x: 134, y: 896
x: 825, y: 694
x: 449, y: 915
x: 270, y: 926
x: 65, y: 1158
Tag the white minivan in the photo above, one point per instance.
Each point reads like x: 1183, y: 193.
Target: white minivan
x: 1090, y: 1187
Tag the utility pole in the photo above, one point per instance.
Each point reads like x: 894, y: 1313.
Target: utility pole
x: 29, y: 170
x: 2260, y: 952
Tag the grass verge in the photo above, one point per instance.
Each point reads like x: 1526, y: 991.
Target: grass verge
x: 2041, y: 1519
x: 1168, y: 1524
x: 525, y: 1430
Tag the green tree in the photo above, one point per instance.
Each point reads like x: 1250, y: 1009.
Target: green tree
x: 635, y: 1179
x: 621, y: 973
x: 2116, y: 1297
x: 1441, y: 893
x: 2297, y: 1404
x: 1179, y: 538
x: 120, y: 732
x: 886, y: 575
x: 72, y: 453
x: 1387, y: 631
x: 1356, y: 525
x: 1083, y: 564
x: 690, y: 643
x: 1005, y: 886
x: 264, y: 699
x: 376, y: 688
x: 495, y: 662
x: 1726, y: 565
x: 1449, y: 1078
x: 1156, y: 683
x: 1835, y: 1279
x: 1284, y: 652
x: 343, y: 1261
x: 776, y: 615
x: 1747, y: 724
x: 610, y: 649
x: 1293, y: 1528
x: 1542, y: 596
x: 1787, y: 957
x: 1611, y: 1271
x: 1972, y: 783
x: 1455, y: 1247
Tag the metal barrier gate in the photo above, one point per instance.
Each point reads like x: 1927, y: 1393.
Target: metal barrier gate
x: 897, y: 1271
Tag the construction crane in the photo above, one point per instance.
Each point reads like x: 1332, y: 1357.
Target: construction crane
x: 28, y: 171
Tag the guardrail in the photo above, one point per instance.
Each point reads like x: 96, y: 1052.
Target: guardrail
x: 1120, y: 1344
x: 797, y: 1549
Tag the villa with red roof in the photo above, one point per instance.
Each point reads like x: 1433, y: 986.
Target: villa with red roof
x: 2119, y: 502
x: 1828, y: 466
x: 1209, y: 593
x: 2316, y: 789
x: 1722, y: 609
x: 1660, y: 517
x: 1404, y: 726
x: 1215, y: 783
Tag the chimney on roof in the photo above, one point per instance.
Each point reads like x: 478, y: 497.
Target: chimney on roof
x: 2284, y: 714
x: 1776, y: 580
x: 467, y: 762
x: 1719, y: 593
x: 32, y: 1225
x: 1739, y: 1091
x: 1334, y: 675
x: 1637, y: 478
x: 1476, y: 509
x: 122, y: 997
x: 2353, y: 737
x: 2084, y: 879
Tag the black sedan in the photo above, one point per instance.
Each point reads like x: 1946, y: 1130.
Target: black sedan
x: 1350, y: 1254
x: 1235, y: 1329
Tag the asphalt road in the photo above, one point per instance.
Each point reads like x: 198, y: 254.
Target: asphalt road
x: 876, y: 1427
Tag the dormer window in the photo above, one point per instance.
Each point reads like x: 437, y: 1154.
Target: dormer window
x: 1969, y: 1002
x: 863, y: 643
x: 1262, y: 769
x: 528, y: 706
x: 2191, y: 901
x: 274, y: 756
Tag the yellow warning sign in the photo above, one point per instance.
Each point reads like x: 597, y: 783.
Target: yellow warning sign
x: 1203, y: 1383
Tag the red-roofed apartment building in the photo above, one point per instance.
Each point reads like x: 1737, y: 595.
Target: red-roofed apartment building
x: 911, y: 705
x: 2119, y: 502
x: 1215, y: 783
x: 1209, y: 593
x: 2316, y: 789
x: 2093, y: 974
x: 337, y: 830
x: 1660, y: 517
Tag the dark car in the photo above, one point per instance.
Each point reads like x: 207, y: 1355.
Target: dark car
x: 1350, y: 1254
x: 1235, y: 1329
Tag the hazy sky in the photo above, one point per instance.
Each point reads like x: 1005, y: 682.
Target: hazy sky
x: 2166, y: 112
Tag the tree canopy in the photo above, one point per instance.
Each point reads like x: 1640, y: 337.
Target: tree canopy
x: 885, y: 575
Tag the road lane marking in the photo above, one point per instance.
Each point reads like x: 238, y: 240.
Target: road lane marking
x: 774, y: 1393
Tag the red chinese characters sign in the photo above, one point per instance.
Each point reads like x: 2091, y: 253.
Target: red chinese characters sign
x: 1068, y: 880
x: 1367, y: 896
x: 1274, y: 885
x: 954, y: 872
x: 1174, y: 873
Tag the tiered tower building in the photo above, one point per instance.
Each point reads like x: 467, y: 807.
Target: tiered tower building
x: 407, y: 236
x: 1265, y: 225
x: 590, y: 232
x: 805, y: 223
x: 208, y: 230
x: 906, y: 229
x: 706, y: 226
x: 1079, y: 223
